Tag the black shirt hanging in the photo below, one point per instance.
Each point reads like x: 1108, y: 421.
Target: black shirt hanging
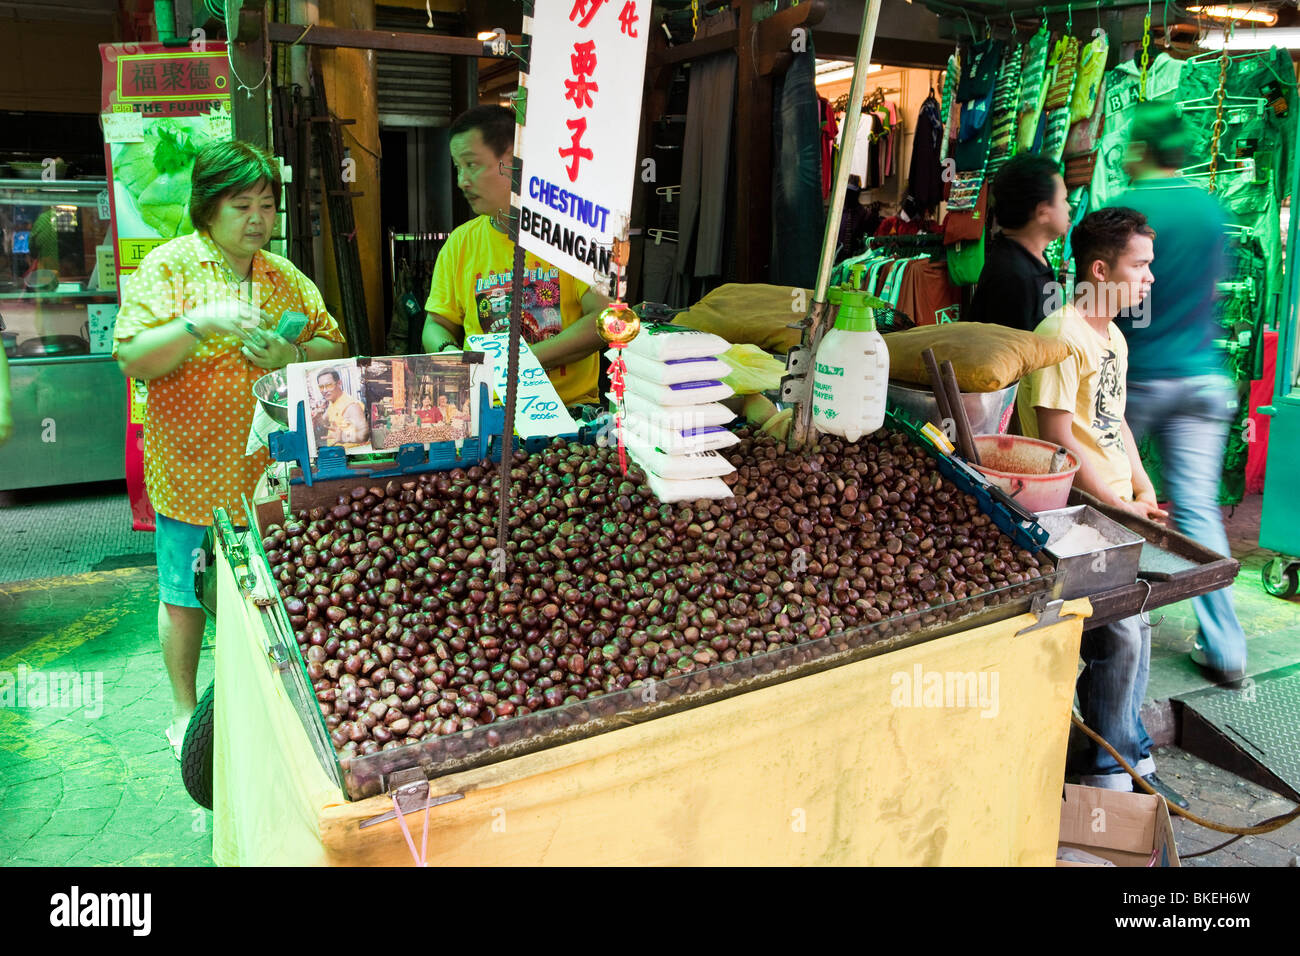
x: 925, y: 174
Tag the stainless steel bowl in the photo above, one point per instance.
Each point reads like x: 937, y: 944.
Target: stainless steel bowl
x: 272, y: 393
x: 989, y: 412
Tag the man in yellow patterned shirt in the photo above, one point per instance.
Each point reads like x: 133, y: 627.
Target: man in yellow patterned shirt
x: 345, y: 418
x: 472, y: 281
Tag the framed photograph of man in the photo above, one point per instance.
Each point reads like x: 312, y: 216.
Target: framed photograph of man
x: 420, y: 399
x: 335, y: 401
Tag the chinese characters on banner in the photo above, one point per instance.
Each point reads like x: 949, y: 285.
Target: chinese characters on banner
x: 159, y: 106
x: 580, y: 140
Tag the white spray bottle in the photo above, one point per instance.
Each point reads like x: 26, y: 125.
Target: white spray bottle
x: 851, y: 372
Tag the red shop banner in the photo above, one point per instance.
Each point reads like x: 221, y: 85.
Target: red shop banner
x: 160, y: 106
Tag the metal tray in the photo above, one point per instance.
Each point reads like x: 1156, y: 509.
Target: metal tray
x: 1099, y: 569
x: 1211, y: 572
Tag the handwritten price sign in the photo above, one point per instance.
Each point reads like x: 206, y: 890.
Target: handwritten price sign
x: 538, y: 409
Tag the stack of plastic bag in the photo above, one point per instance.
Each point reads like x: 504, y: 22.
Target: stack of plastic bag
x: 675, y: 421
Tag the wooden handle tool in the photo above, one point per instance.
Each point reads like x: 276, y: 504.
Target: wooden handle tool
x: 965, y: 440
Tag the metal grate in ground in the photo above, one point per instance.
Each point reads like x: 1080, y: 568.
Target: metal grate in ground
x: 47, y: 533
x: 1256, y: 723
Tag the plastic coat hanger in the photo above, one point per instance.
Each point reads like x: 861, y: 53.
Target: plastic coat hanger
x: 1211, y: 102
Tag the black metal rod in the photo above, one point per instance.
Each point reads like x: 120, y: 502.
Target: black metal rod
x: 512, y: 377
x: 335, y: 37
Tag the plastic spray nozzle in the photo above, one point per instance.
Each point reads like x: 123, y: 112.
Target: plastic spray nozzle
x: 856, y: 314
x: 856, y: 272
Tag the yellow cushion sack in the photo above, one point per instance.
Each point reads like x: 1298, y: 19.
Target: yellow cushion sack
x: 985, y: 357
x: 750, y: 314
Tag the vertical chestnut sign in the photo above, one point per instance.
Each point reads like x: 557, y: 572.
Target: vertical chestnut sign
x: 583, y: 87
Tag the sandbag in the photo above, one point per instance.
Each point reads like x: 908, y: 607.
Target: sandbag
x: 985, y: 357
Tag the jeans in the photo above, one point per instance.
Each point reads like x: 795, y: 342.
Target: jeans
x: 1116, y: 664
x: 1189, y: 420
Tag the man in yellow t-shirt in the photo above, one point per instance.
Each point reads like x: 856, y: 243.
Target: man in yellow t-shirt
x: 472, y: 281
x: 346, y: 419
x: 1079, y: 404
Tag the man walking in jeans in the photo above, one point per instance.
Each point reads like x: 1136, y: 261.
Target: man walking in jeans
x: 1080, y: 404
x: 1179, y: 388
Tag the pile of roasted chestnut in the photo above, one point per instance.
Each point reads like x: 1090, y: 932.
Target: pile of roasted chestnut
x: 414, y: 624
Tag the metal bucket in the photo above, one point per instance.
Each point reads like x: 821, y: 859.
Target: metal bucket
x: 989, y: 412
x: 272, y: 393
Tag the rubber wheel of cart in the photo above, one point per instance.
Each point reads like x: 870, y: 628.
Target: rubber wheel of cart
x: 1280, y: 578
x: 196, y: 751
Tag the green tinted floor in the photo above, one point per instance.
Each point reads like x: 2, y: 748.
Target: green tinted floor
x: 88, y: 777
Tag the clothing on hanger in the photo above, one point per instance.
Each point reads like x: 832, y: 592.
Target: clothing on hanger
x: 980, y: 62
x: 1081, y: 141
x: 965, y: 190
x: 972, y: 149
x: 830, y: 132
x: 1034, y: 81
x: 1123, y: 92
x: 926, y: 290
x: 1005, y: 102
x: 1064, y: 64
x: 925, y: 172
x: 1079, y: 169
x: 1058, y: 126
x: 889, y: 151
x: 948, y: 106
x: 1088, y: 81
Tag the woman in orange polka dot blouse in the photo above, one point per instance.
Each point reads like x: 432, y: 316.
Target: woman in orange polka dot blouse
x: 197, y: 323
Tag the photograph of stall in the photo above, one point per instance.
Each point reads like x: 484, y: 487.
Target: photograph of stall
x: 631, y: 446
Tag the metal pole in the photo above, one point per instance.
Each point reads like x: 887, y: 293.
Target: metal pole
x: 512, y: 376
x: 814, y: 327
x: 516, y: 297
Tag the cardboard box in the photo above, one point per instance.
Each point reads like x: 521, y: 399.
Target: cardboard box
x: 1129, y: 829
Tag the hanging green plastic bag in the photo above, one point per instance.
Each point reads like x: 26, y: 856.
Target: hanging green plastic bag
x: 966, y: 261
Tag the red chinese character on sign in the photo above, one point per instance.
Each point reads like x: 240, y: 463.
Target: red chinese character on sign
x: 143, y: 79
x: 584, y: 64
x: 577, y: 151
x: 629, y: 17
x: 587, y: 8
x: 175, y: 76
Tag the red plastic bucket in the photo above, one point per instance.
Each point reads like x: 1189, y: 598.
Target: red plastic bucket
x: 1020, y: 466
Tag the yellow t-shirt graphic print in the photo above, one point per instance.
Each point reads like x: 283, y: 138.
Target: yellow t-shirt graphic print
x: 540, y: 317
x: 472, y: 284
x: 1090, y: 385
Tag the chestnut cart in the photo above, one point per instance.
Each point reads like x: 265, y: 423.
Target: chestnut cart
x: 934, y: 738
x: 847, y: 764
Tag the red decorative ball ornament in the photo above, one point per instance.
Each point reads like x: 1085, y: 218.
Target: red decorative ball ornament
x: 618, y: 324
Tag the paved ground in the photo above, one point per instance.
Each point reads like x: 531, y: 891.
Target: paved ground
x: 49, y: 532
x: 91, y: 780
x: 1223, y: 797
